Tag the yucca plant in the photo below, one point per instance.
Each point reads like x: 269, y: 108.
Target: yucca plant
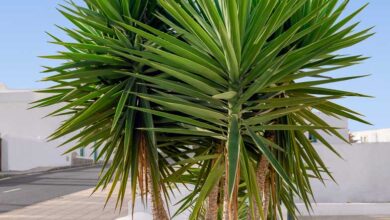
x: 96, y: 97
x: 217, y: 94
x: 252, y: 70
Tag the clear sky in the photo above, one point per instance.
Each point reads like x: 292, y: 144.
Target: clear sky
x: 22, y: 39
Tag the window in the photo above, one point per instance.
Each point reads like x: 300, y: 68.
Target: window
x: 82, y: 152
x: 312, y: 138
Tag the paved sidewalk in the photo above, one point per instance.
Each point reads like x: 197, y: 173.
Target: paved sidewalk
x: 349, y: 217
x: 80, y: 206
x: 347, y: 211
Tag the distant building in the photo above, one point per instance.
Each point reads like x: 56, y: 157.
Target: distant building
x: 340, y: 123
x: 372, y: 136
x: 361, y: 171
x: 24, y: 133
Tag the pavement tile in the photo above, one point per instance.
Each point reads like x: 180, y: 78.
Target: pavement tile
x: 346, y: 217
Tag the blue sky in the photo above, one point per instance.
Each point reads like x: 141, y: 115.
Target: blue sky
x: 22, y: 39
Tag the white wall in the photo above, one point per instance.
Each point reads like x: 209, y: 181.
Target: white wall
x: 17, y: 120
x: 372, y: 136
x: 341, y: 123
x: 363, y: 176
x: 26, y: 153
x: 24, y: 133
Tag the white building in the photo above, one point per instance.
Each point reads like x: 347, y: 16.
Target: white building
x: 372, y: 136
x: 23, y: 133
x: 362, y: 174
x: 363, y: 171
x: 340, y: 123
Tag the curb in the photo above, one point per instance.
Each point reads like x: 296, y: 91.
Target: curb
x: 50, y: 170
x: 343, y: 210
x: 347, y: 209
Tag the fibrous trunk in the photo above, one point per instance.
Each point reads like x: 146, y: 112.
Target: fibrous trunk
x: 158, y: 208
x: 226, y: 196
x: 261, y: 175
x: 212, y: 209
x: 263, y: 182
x: 266, y: 197
x: 230, y: 205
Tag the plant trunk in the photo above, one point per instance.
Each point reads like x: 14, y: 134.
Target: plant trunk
x: 158, y: 208
x: 226, y: 195
x: 212, y: 209
x: 230, y: 206
x: 263, y: 182
x: 266, y: 197
x: 261, y: 174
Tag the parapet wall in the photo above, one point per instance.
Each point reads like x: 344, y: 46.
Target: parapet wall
x: 363, y: 175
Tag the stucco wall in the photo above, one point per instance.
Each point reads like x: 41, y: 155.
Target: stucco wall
x: 24, y: 133
x: 340, y: 123
x: 26, y: 153
x: 17, y: 120
x: 362, y: 176
x: 373, y: 136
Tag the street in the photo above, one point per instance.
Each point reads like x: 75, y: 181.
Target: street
x: 65, y: 194
x: 21, y: 191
